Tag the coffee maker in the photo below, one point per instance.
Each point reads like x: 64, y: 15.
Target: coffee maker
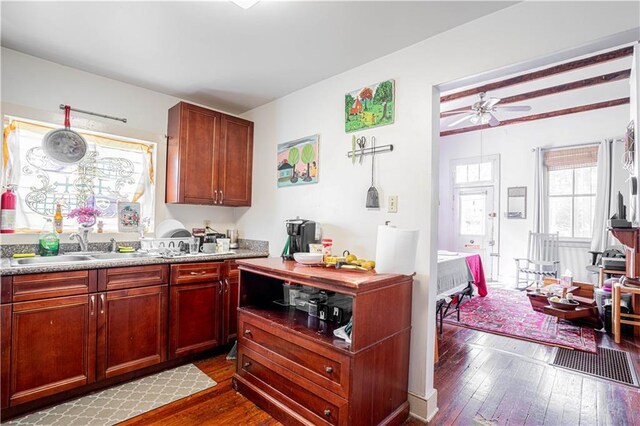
x: 301, y: 233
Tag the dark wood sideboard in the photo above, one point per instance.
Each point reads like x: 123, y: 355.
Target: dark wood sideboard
x: 291, y: 365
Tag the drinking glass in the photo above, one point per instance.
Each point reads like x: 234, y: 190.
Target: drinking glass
x: 194, y: 246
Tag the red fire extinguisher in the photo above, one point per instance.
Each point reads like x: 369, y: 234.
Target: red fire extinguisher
x: 8, y: 213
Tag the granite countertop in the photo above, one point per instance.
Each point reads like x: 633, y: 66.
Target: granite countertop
x: 7, y: 269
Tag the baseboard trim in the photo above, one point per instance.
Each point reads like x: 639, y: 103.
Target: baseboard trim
x: 422, y: 408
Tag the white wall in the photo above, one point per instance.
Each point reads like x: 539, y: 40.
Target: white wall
x: 33, y: 88
x: 514, y: 144
x: 519, y: 33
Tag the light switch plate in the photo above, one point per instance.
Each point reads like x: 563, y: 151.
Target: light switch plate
x: 393, y: 204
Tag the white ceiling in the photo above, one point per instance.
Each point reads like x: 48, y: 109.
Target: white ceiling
x: 216, y: 53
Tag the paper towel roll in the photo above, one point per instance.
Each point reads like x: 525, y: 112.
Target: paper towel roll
x: 396, y: 250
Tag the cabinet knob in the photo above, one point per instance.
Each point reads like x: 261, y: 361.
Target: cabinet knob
x: 246, y: 365
x: 328, y: 369
x: 247, y: 332
x: 198, y: 273
x: 215, y: 197
x: 221, y: 196
x: 327, y: 413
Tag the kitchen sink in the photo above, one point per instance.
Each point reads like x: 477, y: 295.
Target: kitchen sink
x: 112, y: 256
x: 67, y: 258
x: 72, y: 258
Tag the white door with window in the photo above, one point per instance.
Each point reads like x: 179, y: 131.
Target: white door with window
x: 475, y: 205
x: 475, y: 221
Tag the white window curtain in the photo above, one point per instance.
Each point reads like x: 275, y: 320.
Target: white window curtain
x: 115, y: 169
x: 601, y: 237
x: 539, y: 196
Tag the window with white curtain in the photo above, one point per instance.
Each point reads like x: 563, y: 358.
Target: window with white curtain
x: 571, y: 190
x: 114, y: 169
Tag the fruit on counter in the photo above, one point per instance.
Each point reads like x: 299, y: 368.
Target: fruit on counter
x: 350, y: 260
x: 368, y: 264
x: 555, y: 299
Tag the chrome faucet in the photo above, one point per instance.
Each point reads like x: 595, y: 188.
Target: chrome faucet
x: 83, y: 239
x: 114, y: 246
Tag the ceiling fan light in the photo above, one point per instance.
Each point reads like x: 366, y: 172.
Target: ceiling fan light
x: 245, y: 4
x: 484, y: 119
x: 474, y: 119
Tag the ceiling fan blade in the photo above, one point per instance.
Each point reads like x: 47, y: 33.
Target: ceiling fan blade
x: 491, y: 102
x: 514, y: 107
x: 460, y: 120
x: 455, y: 112
x: 493, y: 121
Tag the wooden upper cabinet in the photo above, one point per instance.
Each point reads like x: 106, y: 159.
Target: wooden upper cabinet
x: 236, y: 159
x: 209, y: 157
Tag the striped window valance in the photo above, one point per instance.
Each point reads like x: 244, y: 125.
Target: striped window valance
x: 571, y: 158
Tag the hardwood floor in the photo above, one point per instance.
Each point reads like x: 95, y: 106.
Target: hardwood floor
x: 219, y: 405
x: 485, y: 379
x: 482, y: 379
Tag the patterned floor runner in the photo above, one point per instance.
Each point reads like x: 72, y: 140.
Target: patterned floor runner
x: 125, y: 401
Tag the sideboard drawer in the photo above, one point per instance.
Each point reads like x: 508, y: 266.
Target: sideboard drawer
x: 252, y: 366
x: 189, y: 273
x: 327, y: 368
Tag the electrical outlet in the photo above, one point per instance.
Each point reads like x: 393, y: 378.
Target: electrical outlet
x: 206, y: 223
x: 393, y: 204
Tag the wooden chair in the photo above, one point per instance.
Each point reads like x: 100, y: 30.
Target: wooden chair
x: 543, y: 259
x: 618, y: 317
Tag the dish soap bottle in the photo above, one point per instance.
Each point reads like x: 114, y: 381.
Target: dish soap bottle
x: 57, y: 219
x: 49, y: 244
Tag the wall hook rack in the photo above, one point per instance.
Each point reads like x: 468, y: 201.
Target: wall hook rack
x: 368, y: 151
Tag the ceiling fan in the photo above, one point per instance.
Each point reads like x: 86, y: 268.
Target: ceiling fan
x: 481, y: 112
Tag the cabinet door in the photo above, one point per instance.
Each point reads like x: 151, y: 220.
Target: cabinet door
x: 53, y: 343
x: 192, y: 171
x: 231, y: 295
x: 195, y: 318
x: 132, y: 329
x: 236, y: 161
x: 5, y: 352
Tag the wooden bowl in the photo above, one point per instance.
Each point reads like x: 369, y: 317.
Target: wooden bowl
x: 564, y: 306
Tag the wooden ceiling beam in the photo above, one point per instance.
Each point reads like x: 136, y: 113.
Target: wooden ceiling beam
x: 558, y: 69
x: 579, y: 84
x: 541, y: 116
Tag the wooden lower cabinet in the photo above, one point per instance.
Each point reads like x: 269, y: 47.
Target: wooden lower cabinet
x: 65, y: 330
x: 5, y: 352
x: 132, y: 328
x: 195, y: 318
x: 231, y: 287
x: 52, y: 346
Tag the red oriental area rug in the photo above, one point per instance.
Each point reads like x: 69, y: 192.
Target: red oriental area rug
x: 509, y: 313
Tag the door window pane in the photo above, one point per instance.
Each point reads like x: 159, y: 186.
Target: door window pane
x: 560, y: 182
x: 560, y: 216
x: 474, y: 172
x: 472, y: 214
x: 486, y: 172
x: 461, y: 173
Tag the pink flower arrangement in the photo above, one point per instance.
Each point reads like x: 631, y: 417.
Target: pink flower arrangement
x: 86, y: 216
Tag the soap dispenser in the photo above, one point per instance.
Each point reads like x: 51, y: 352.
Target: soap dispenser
x: 49, y: 242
